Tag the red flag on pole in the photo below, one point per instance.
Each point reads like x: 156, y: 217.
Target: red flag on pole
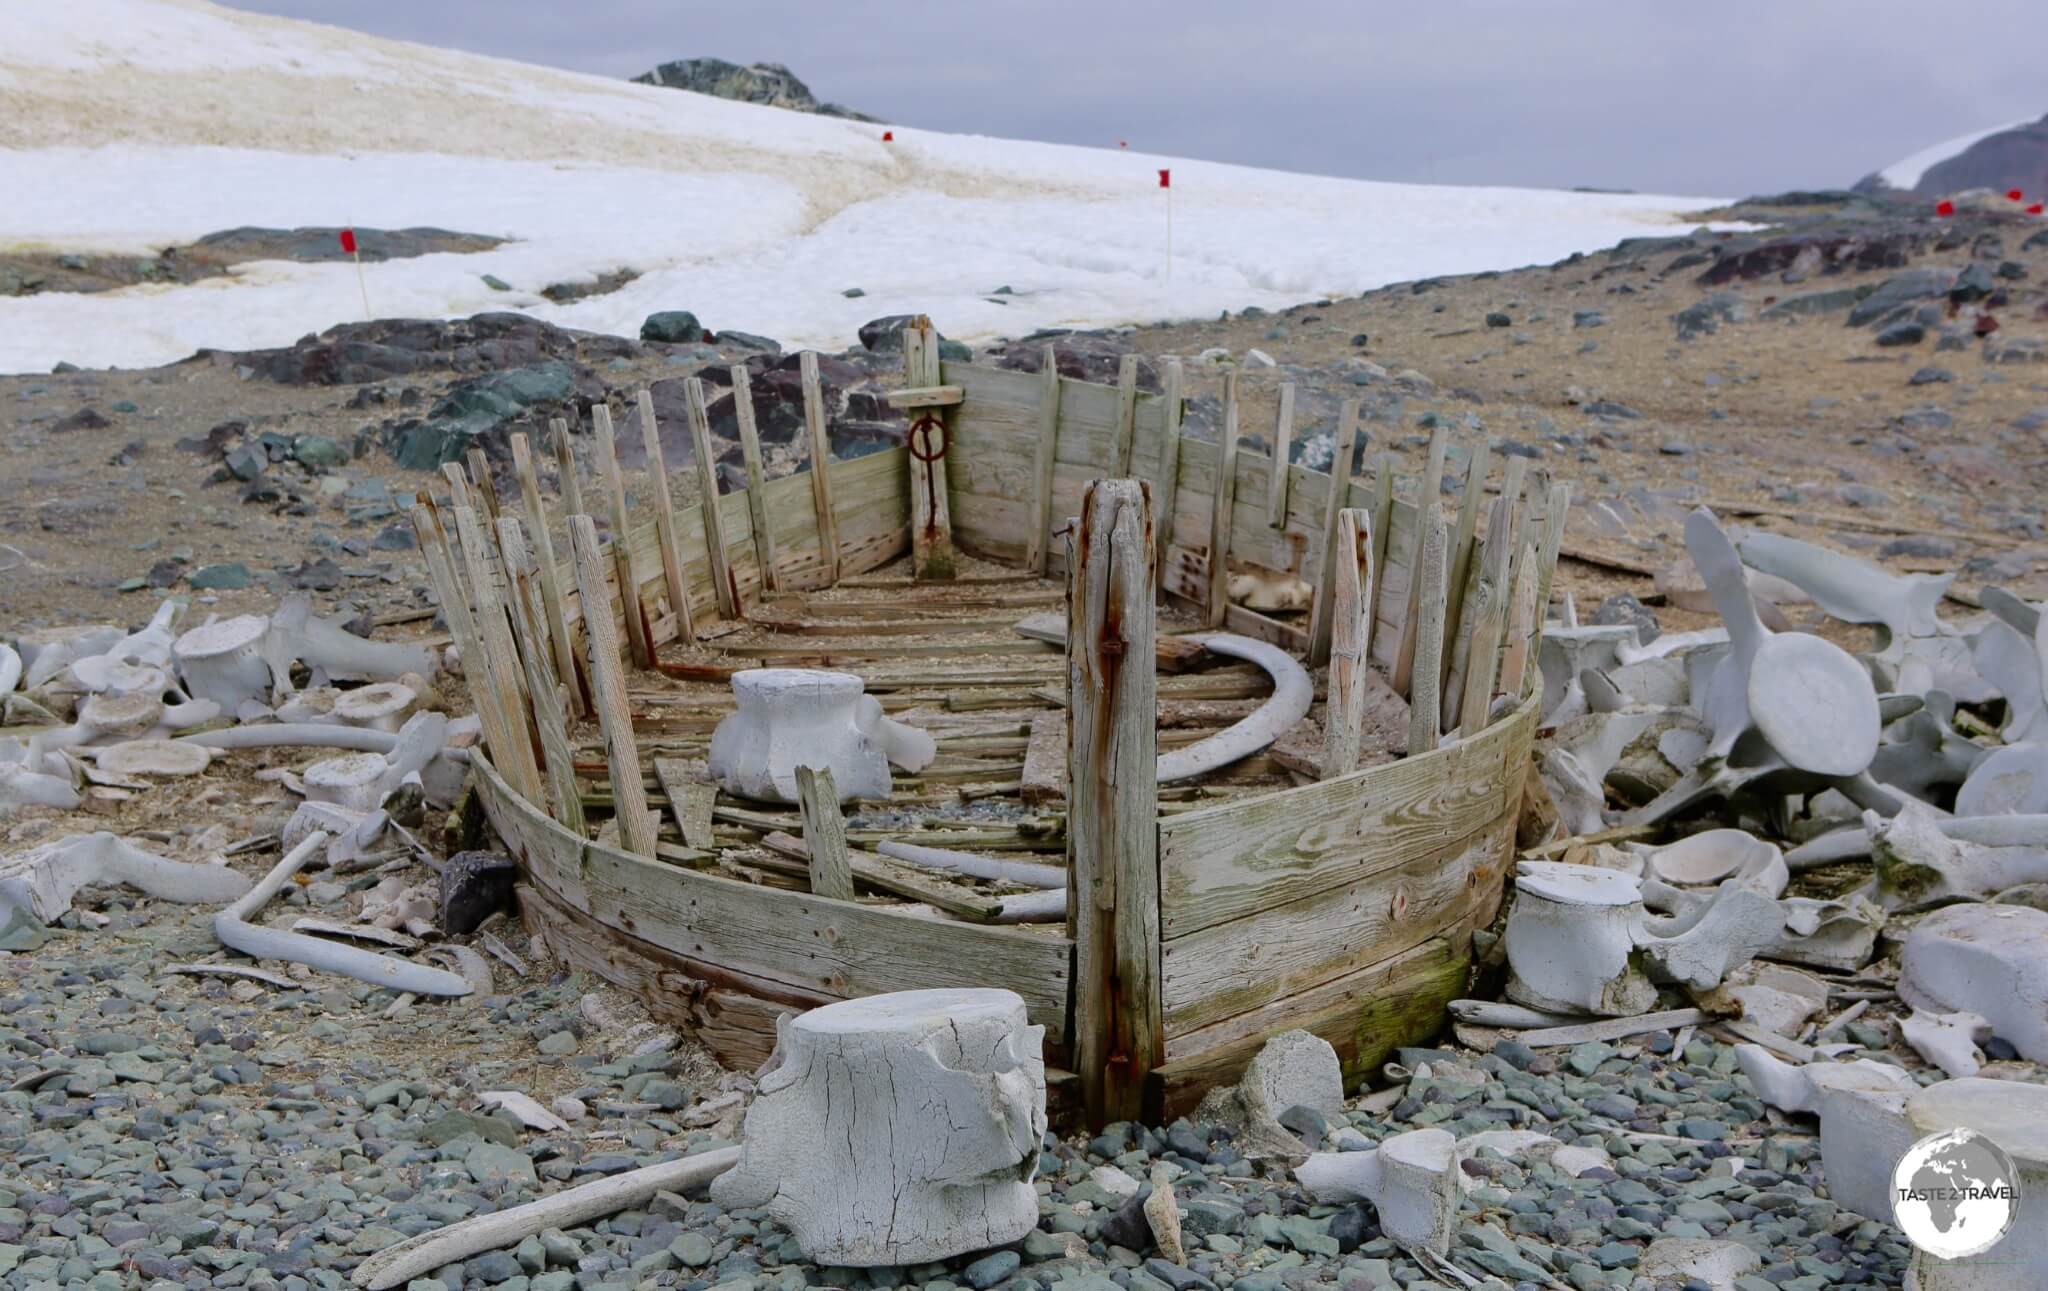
x: 348, y: 241
x: 1944, y: 208
x: 1166, y: 179
x: 888, y: 136
x: 2013, y: 194
x: 2035, y: 209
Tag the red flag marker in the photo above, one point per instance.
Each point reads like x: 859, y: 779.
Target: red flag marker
x: 2013, y: 194
x: 888, y: 136
x: 1944, y: 208
x: 1123, y: 143
x: 2035, y: 209
x: 1166, y: 179
x: 348, y: 241
x: 348, y: 244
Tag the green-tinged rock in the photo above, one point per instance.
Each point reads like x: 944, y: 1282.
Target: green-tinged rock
x: 495, y: 283
x: 22, y: 931
x: 488, y: 1162
x: 672, y: 326
x: 319, y: 451
x: 220, y: 578
x: 452, y: 1125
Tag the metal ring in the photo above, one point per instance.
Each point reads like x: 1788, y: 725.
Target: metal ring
x: 921, y: 430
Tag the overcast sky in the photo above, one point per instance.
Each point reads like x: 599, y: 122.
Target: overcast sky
x: 1728, y: 98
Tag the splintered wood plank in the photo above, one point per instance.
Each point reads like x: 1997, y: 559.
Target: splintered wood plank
x: 690, y: 796
x: 1343, y: 453
x: 1112, y: 802
x: 608, y: 685
x: 500, y: 656
x: 1226, y: 496
x: 1045, y: 760
x: 568, y: 481
x: 493, y: 713
x: 1430, y: 487
x: 757, y: 477
x: 481, y: 481
x: 1232, y: 860
x: 824, y: 833
x: 924, y: 397
x: 1170, y: 654
x: 1042, y: 459
x: 881, y: 874
x: 820, y: 438
x: 1169, y: 460
x: 1125, y: 435
x: 1283, y: 445
x: 722, y: 583
x: 1351, y: 591
x: 637, y: 636
x: 550, y: 719
x: 458, y: 485
x: 1424, y: 713
x: 1459, y: 571
x: 561, y: 644
x: 673, y: 570
x: 1558, y: 507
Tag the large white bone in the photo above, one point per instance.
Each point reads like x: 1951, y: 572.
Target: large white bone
x: 10, y: 668
x: 1923, y: 751
x: 1571, y: 940
x: 1566, y: 652
x: 223, y: 661
x: 1863, y: 1126
x: 1948, y: 1040
x: 1919, y: 867
x: 1987, y: 959
x: 2010, y: 781
x: 149, y: 646
x: 333, y: 652
x: 46, y: 656
x: 1293, y: 692
x: 898, y: 1129
x: 2014, y: 667
x: 1850, y: 589
x: 2025, y: 830
x: 790, y: 717
x: 1410, y: 1179
x: 22, y: 785
x: 43, y: 879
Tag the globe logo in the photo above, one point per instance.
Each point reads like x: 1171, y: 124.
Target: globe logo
x: 1954, y: 1194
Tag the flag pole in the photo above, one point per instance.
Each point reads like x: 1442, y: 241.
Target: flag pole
x: 1166, y: 182
x: 348, y: 244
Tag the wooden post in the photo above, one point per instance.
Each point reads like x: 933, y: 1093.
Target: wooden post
x: 493, y: 713
x: 1429, y: 487
x: 707, y: 485
x: 821, y: 461
x: 458, y: 485
x: 824, y: 833
x: 1341, y: 457
x: 637, y: 635
x: 481, y: 481
x: 757, y: 477
x: 561, y: 645
x: 1112, y: 802
x: 1382, y: 520
x: 608, y: 682
x: 931, y: 517
x: 502, y: 671
x: 1489, y: 616
x: 1043, y: 453
x: 1429, y: 634
x: 1225, y: 499
x: 1283, y: 448
x: 674, y: 573
x: 1559, y: 506
x: 1169, y: 464
x: 568, y: 481
x: 1460, y: 568
x: 1125, y: 437
x: 549, y: 719
x: 1521, y: 628
x: 1350, y: 644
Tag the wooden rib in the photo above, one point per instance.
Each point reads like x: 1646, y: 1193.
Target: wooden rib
x: 1342, y: 455
x: 757, y: 478
x: 1126, y: 431
x: 1521, y: 628
x: 622, y: 545
x: 1351, y: 586
x: 707, y: 486
x: 544, y: 694
x: 491, y: 710
x: 458, y: 484
x: 568, y: 480
x: 1382, y: 520
x: 674, y: 573
x: 1460, y: 569
x: 1489, y: 617
x: 1283, y: 446
x: 561, y: 645
x: 501, y: 659
x: 931, y: 517
x: 608, y: 685
x: 1429, y: 489
x: 821, y: 462
x: 1558, y: 507
x: 824, y: 833
x: 1169, y: 460
x: 481, y: 481
x: 1429, y: 634
x: 1224, y: 500
x: 1039, y: 550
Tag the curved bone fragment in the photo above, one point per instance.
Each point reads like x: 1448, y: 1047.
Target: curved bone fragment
x: 1948, y: 1040
x: 2025, y: 618
x: 1988, y: 959
x: 153, y: 757
x: 149, y: 647
x: 1571, y: 940
x: 1713, y: 855
x: 1045, y: 906
x: 398, y: 1264
x: 43, y: 661
x: 2022, y: 830
x: 1919, y: 867
x: 1565, y: 652
x: 336, y: 654
x: 1669, y: 643
x: 2010, y: 781
x: 1737, y: 926
x: 43, y: 879
x: 906, y: 746
x: 1293, y: 692
x: 1410, y: 1179
x: 975, y: 866
x: 223, y: 661
x: 1840, y: 934
x: 934, y: 1104
x: 473, y: 967
x: 1922, y: 750
x: 231, y: 928
x: 1850, y: 589
x: 1532, y: 1147
x: 525, y: 1109
x: 2013, y: 666
x: 23, y: 786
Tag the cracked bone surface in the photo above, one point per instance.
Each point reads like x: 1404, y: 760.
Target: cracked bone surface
x: 791, y: 717
x: 1571, y: 940
x: 223, y: 661
x: 898, y: 1129
x: 2014, y: 1115
x: 1410, y: 1179
x: 1985, y: 959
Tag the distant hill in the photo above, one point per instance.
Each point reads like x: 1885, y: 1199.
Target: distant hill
x: 2001, y: 158
x: 768, y: 83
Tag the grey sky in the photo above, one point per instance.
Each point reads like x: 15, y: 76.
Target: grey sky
x: 1733, y: 97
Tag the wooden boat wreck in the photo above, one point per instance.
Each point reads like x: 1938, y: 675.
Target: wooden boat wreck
x: 1305, y: 883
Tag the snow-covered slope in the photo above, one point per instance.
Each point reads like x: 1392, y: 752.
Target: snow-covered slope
x: 132, y: 124
x: 1906, y: 173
